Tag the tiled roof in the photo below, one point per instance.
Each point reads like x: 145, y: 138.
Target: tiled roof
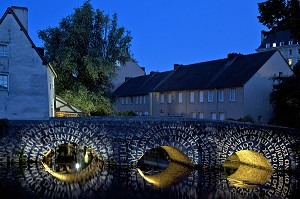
x: 215, y: 74
x: 222, y: 73
x: 141, y: 85
x: 282, y: 36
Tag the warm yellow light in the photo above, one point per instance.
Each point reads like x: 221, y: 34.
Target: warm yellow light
x: 250, y: 169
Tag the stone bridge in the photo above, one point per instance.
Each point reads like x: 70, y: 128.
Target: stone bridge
x: 123, y: 140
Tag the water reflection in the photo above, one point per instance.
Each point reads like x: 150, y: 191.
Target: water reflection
x: 245, y: 176
x: 32, y: 181
x: 157, y: 176
x: 157, y: 168
x: 71, y: 162
x: 253, y: 171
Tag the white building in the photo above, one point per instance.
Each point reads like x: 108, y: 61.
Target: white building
x: 282, y: 41
x: 26, y: 80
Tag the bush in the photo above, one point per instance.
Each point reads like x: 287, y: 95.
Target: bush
x: 3, y: 126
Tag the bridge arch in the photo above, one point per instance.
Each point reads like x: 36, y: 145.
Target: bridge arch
x: 247, y: 169
x: 122, y: 140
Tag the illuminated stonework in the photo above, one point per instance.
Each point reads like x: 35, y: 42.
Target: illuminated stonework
x: 122, y: 140
x: 247, y: 169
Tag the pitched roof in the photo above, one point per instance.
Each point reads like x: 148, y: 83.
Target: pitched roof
x: 141, y: 85
x: 222, y: 73
x: 9, y: 10
x: 281, y: 36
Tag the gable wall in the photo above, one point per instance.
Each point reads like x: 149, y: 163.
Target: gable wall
x: 259, y: 87
x: 27, y: 97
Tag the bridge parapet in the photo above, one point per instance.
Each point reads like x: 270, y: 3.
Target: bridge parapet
x: 123, y: 140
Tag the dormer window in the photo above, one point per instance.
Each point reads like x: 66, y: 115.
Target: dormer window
x: 290, y: 42
x: 267, y: 45
x: 281, y: 44
x: 274, y: 45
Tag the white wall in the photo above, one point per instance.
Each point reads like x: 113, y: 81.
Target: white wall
x: 259, y: 87
x: 130, y: 69
x: 28, y: 94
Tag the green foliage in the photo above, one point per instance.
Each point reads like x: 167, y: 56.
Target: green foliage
x: 285, y: 98
x: 90, y: 102
x: 126, y: 113
x: 247, y: 118
x: 279, y: 15
x: 84, y: 51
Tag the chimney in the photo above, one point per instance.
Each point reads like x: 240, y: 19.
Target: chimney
x: 176, y: 66
x: 232, y: 56
x: 22, y: 14
x: 41, y: 51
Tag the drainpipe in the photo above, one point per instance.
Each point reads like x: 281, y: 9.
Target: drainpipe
x: 151, y: 104
x: 217, y: 100
x: 186, y: 100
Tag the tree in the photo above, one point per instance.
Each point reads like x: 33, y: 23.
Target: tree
x: 85, y: 50
x: 285, y: 99
x: 279, y: 15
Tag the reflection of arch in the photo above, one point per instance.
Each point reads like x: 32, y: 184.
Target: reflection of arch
x: 168, y: 177
x: 247, y: 169
x: 87, y: 173
x: 179, y: 166
x: 93, y: 168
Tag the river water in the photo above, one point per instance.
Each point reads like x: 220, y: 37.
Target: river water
x: 175, y: 181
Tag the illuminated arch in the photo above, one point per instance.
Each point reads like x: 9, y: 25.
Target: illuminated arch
x: 179, y: 166
x: 87, y: 173
x: 168, y: 177
x: 247, y: 169
x: 177, y: 156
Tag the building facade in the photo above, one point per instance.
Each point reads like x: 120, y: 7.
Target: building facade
x: 135, y: 94
x: 234, y: 87
x: 282, y: 41
x: 26, y: 80
x: 129, y: 70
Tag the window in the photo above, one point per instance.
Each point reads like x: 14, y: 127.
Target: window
x: 126, y: 100
x: 290, y: 52
x: 281, y: 44
x: 268, y: 45
x: 3, y: 82
x: 169, y: 98
x: 210, y: 96
x: 299, y: 51
x: 162, y: 98
x: 192, y: 97
x: 232, y: 95
x: 274, y: 45
x: 290, y: 61
x: 194, y: 115
x: 290, y: 42
x: 213, y: 116
x: 201, y: 115
x: 221, y: 95
x: 3, y: 50
x: 123, y: 100
x: 180, y: 98
x: 131, y: 100
x: 137, y: 100
x: 144, y: 99
x: 201, y: 96
x: 222, y: 116
x: 141, y: 99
